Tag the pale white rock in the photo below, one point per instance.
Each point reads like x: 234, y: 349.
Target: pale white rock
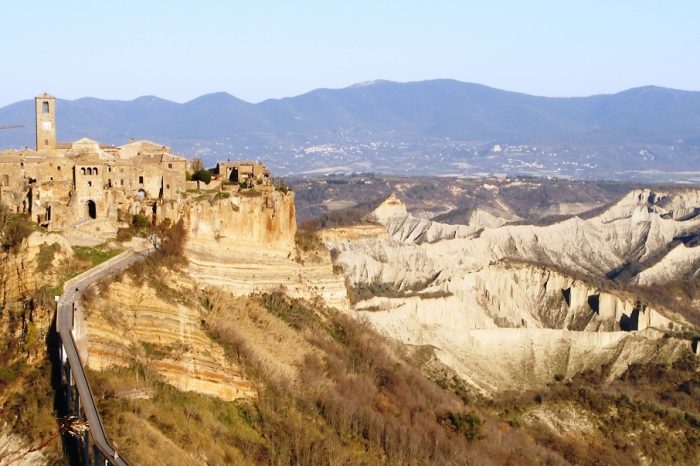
x: 488, y: 299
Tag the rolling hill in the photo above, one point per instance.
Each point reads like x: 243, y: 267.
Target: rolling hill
x: 444, y: 126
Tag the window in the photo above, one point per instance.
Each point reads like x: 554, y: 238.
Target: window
x: 122, y: 182
x: 170, y: 165
x: 83, y: 170
x: 89, y: 171
x: 110, y: 168
x: 45, y: 107
x: 59, y: 168
x: 89, y: 184
x: 140, y: 179
x: 95, y: 170
x: 167, y: 186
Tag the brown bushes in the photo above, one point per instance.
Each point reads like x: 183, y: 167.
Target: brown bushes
x: 306, y: 238
x: 360, y: 391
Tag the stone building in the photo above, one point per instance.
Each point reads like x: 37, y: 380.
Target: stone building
x: 244, y: 171
x: 64, y: 186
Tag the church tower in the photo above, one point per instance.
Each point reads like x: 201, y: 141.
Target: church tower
x: 45, y: 108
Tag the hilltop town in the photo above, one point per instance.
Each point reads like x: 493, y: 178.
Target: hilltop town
x: 85, y: 187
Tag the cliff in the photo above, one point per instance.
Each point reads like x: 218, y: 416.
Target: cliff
x: 510, y: 306
x: 134, y: 323
x: 263, y: 220
x: 246, y: 244
x: 21, y: 271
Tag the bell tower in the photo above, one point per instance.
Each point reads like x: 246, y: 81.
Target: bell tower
x: 45, y: 108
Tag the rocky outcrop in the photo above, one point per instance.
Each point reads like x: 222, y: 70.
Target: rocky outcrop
x: 15, y: 451
x: 130, y: 324
x: 494, y: 304
x: 263, y: 220
x: 245, y: 244
x: 638, y: 229
x: 19, y: 270
x: 682, y: 261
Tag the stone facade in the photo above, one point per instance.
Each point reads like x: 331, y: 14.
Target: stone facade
x: 64, y: 185
x: 85, y: 185
x: 244, y: 171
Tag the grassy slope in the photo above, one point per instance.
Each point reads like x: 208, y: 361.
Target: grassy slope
x: 329, y: 391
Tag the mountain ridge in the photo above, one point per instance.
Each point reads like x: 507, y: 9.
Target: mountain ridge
x: 411, y: 119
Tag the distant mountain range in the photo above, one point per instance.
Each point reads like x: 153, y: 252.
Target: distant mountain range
x: 437, y: 127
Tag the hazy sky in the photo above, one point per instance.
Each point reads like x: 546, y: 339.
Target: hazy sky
x: 263, y: 49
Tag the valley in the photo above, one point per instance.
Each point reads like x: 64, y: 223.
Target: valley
x: 395, y: 320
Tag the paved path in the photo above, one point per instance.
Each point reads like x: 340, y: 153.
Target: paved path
x: 64, y: 325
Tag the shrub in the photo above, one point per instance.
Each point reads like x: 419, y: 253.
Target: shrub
x: 467, y: 424
x: 124, y: 234
x: 173, y: 238
x: 306, y: 238
x: 140, y: 221
x: 14, y: 229
x: 44, y: 259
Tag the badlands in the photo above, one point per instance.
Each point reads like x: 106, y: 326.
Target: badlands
x: 509, y: 305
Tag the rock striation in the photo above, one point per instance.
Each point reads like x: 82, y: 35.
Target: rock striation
x: 508, y: 306
x: 245, y: 244
x: 130, y: 324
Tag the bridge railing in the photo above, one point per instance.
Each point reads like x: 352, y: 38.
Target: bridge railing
x: 79, y: 396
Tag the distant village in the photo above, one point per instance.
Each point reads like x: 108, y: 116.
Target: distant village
x: 63, y: 186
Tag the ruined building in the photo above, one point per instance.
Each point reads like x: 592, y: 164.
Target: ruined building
x: 244, y: 172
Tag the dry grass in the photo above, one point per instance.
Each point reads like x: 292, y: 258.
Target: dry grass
x: 171, y: 427
x: 270, y: 347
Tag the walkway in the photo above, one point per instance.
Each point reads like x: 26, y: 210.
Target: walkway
x: 64, y: 325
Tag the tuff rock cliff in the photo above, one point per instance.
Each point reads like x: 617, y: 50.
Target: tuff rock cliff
x: 245, y: 244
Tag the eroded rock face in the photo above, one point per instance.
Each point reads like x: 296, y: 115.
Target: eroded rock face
x: 489, y: 299
x: 264, y: 221
x: 19, y: 274
x: 246, y: 244
x: 130, y: 324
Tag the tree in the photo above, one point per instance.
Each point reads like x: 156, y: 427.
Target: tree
x: 201, y: 175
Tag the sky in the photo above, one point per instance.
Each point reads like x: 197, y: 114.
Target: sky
x: 263, y: 49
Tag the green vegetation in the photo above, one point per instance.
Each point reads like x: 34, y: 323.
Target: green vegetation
x: 169, y: 255
x: 358, y: 404
x: 97, y: 254
x: 175, y: 423
x: 376, y: 287
x: 139, y: 225
x: 139, y: 221
x: 649, y: 412
x: 14, y: 229
x: 202, y: 175
x: 28, y: 411
x: 467, y: 424
x: 47, y: 253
